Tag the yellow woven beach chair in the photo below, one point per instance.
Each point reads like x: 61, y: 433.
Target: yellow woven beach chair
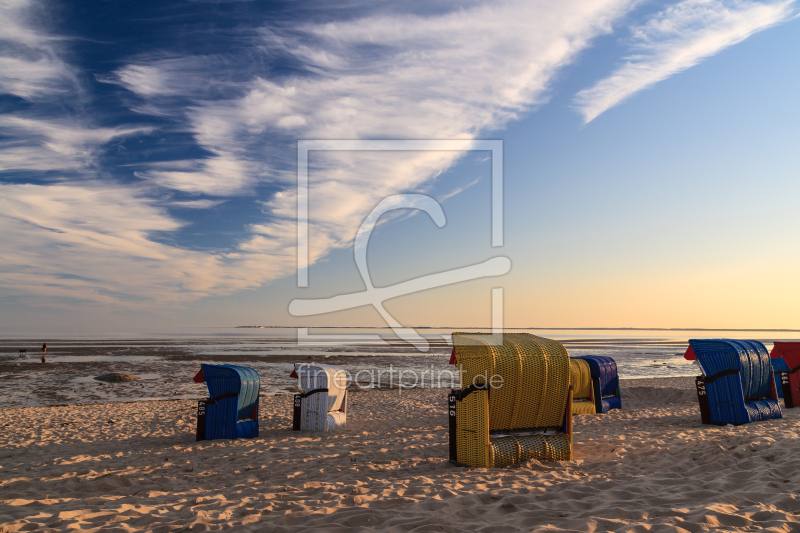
x: 514, y: 401
x: 580, y: 376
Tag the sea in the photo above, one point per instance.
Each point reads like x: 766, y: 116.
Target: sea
x: 164, y: 363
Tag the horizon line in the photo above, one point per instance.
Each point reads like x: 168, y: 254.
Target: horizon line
x: 534, y: 328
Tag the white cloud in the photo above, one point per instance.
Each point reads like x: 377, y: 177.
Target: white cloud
x: 29, y: 63
x: 172, y: 76
x: 32, y: 78
x: 441, y: 76
x: 30, y: 68
x: 51, y: 145
x: 229, y: 170
x: 94, y: 243
x: 677, y: 38
x: 197, y: 204
x: 220, y: 175
x: 436, y: 77
x: 145, y: 80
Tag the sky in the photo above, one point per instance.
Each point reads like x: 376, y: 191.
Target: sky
x: 149, y: 162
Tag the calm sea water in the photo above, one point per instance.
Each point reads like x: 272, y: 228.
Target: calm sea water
x: 638, y: 353
x: 166, y: 361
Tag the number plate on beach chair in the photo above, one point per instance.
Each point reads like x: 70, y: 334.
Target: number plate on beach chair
x: 787, y: 390
x: 201, y: 419
x: 702, y: 398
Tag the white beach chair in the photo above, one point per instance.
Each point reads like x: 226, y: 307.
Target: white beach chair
x: 321, y: 404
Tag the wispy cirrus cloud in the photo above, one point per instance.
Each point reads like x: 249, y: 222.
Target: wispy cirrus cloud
x: 30, y: 67
x: 452, y: 74
x: 53, y: 137
x: 446, y: 75
x: 677, y: 38
x: 147, y: 80
x: 222, y: 174
x: 439, y: 76
x: 168, y: 75
x: 187, y: 87
x: 197, y: 204
x: 95, y: 243
x: 43, y: 145
x: 91, y: 231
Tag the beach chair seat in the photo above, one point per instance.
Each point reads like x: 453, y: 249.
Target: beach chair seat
x: 231, y: 411
x: 785, y: 358
x: 321, y: 406
x: 514, y: 403
x: 737, y: 385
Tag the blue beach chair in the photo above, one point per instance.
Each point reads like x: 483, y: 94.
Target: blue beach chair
x: 778, y: 366
x: 738, y: 386
x: 231, y: 412
x: 605, y: 382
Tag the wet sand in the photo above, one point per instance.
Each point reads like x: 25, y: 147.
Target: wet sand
x: 166, y: 367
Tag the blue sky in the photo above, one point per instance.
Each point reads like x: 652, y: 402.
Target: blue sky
x: 148, y: 160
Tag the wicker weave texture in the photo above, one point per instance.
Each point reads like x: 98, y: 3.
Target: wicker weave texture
x: 529, y: 380
x: 321, y: 411
x: 504, y: 452
x: 580, y: 376
x: 510, y: 450
x: 472, y: 419
x: 223, y: 415
x: 584, y: 407
x: 737, y: 398
x: 528, y: 375
x: 605, y: 369
x: 605, y: 386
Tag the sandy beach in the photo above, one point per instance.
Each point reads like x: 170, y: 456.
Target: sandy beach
x: 136, y: 467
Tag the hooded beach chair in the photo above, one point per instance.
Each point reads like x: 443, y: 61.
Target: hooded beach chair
x: 514, y: 403
x: 322, y: 403
x: 595, y: 384
x: 785, y: 359
x: 737, y: 385
x: 231, y: 411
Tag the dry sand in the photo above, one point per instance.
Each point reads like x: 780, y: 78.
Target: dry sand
x: 136, y: 467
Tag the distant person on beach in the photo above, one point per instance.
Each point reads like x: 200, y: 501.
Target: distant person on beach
x: 44, y: 352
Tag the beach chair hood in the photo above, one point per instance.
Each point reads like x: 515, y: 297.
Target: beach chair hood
x: 514, y: 403
x: 738, y: 384
x: 321, y: 405
x: 231, y: 411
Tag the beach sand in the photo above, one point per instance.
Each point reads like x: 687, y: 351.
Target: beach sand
x: 136, y: 467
